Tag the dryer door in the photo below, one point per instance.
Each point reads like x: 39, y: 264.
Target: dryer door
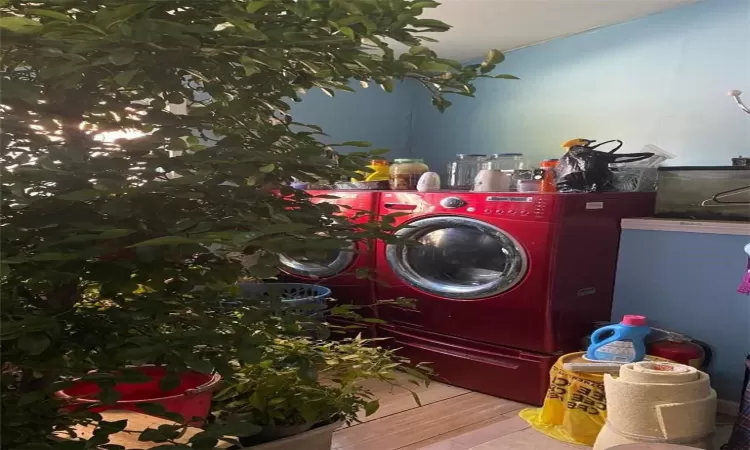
x: 333, y: 263
x: 458, y: 258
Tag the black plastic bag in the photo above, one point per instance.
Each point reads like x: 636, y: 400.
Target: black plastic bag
x: 585, y: 169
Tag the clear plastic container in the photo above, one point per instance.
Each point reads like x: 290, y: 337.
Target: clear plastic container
x: 505, y: 162
x: 528, y: 185
x: 404, y: 173
x: 704, y: 193
x: 463, y: 170
x: 660, y: 155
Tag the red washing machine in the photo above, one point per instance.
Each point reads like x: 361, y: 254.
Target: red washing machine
x: 338, y: 271
x: 503, y: 282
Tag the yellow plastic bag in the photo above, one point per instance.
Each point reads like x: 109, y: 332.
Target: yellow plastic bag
x: 574, y: 409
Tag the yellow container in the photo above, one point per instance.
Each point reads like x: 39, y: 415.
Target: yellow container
x: 575, y: 407
x: 379, y: 172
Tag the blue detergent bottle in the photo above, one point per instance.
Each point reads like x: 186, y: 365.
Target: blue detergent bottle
x: 626, y: 344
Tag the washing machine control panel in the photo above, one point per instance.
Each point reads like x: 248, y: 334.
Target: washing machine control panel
x: 452, y: 202
x: 510, y: 206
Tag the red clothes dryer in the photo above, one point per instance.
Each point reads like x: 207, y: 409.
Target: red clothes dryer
x: 338, y: 271
x: 502, y: 281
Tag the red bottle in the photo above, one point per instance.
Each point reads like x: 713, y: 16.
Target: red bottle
x: 548, y: 182
x: 683, y: 351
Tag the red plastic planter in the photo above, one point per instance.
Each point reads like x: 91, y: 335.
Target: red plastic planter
x: 191, y: 399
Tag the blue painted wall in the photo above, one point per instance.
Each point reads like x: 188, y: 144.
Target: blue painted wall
x: 658, y: 80
x: 688, y: 282
x: 371, y: 114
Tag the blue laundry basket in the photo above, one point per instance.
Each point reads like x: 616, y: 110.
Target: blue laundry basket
x: 308, y: 299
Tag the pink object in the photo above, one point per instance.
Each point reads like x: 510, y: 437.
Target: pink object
x: 191, y: 399
x: 745, y: 283
x: 634, y: 321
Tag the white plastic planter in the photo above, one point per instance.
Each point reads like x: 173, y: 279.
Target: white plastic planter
x: 316, y: 439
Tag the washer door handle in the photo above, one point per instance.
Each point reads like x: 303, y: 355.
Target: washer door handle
x: 400, y: 206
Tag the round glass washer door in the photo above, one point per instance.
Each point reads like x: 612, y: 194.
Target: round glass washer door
x: 458, y: 258
x: 333, y: 263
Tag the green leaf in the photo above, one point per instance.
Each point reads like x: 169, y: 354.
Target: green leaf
x: 124, y: 78
x: 169, y: 382
x: 31, y: 397
x: 373, y: 320
x: 202, y: 366
x: 249, y: 355
x: 52, y: 256
x: 433, y: 66
x: 170, y: 431
x: 416, y: 398
x: 164, y: 240
x: 122, y: 57
x: 350, y: 20
x: 154, y: 409
x: 387, y: 85
x: 506, y: 76
x: 251, y: 32
x: 255, y: 6
x: 348, y: 32
x: 268, y: 168
x: 356, y: 144
x: 418, y: 49
x: 81, y: 196
x: 237, y: 427
x: 432, y: 24
x: 109, y: 396
x: 93, y: 28
x: 204, y: 441
x: 115, y: 233
x: 494, y: 57
x: 114, y: 426
x: 124, y: 13
x: 454, y: 64
x: 19, y: 24
x: 48, y: 13
x: 371, y: 407
x: 425, y: 4
x: 132, y: 376
x: 249, y: 65
x: 152, y: 435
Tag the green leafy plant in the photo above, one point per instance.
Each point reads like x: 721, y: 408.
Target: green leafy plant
x: 148, y: 143
x: 299, y: 383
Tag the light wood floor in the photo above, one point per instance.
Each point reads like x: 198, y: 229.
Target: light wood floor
x: 450, y: 418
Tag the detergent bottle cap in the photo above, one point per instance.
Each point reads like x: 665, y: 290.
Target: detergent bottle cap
x: 634, y: 321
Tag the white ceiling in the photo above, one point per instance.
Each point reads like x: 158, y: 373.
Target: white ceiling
x: 479, y: 25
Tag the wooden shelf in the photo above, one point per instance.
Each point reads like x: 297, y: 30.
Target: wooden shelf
x: 687, y: 226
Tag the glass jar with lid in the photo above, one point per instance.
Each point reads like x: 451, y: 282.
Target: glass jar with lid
x: 463, y: 170
x: 404, y: 173
x: 505, y: 162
